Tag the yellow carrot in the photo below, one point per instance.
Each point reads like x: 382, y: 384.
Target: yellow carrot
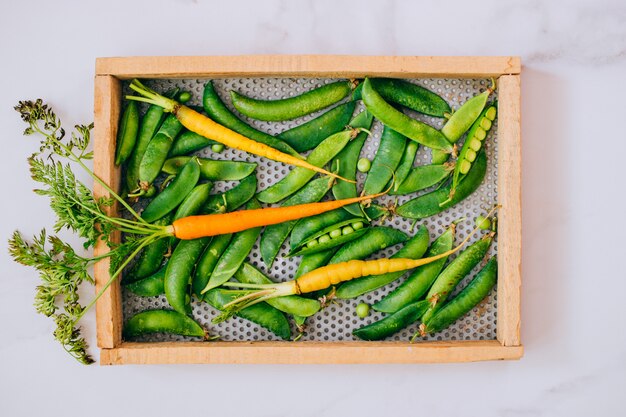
x: 206, y: 127
x: 328, y: 275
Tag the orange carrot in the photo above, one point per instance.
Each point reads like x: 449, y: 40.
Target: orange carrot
x: 194, y: 227
x: 206, y: 127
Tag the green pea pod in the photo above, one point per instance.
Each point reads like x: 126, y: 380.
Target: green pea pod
x: 274, y: 236
x: 235, y: 254
x: 299, y: 176
x: 320, y: 224
x: 435, y: 202
x: 309, y: 226
x: 473, y: 144
x: 401, y: 123
x: 411, y: 96
x: 232, y: 199
x: 162, y: 321
x: 454, y: 273
x: 179, y: 271
x: 346, y: 160
x: 292, y: 107
x: 356, y: 93
x: 337, y: 234
x: 313, y: 261
x: 413, y: 249
x: 194, y: 201
x: 420, y: 280
x: 392, y: 323
x: 422, y: 177
x: 406, y: 165
x: 150, y: 124
x: 291, y: 304
x: 150, y: 286
x: 262, y: 314
x: 174, y: 194
x: 127, y: 133
x: 466, y: 300
x: 385, y: 161
x: 188, y: 142
x: 460, y: 121
x: 212, y: 170
x: 310, y: 134
x: 217, y: 110
x: 151, y: 256
x: 206, y: 263
x: 156, y: 152
x: 377, y: 238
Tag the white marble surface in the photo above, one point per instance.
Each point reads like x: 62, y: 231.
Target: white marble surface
x: 574, y: 87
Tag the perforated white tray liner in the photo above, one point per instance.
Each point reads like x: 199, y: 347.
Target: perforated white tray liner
x: 336, y: 322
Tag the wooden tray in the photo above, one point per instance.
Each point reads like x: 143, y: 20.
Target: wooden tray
x: 110, y: 72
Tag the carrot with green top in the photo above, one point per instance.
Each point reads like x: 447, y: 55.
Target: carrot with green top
x: 206, y: 127
x: 326, y: 276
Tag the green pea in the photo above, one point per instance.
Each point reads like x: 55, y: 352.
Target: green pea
x: 127, y: 133
x: 335, y: 233
x: 292, y: 107
x: 413, y: 249
x: 235, y: 254
x: 454, y: 273
x: 291, y: 304
x: 274, y: 236
x: 411, y: 95
x: 312, y: 243
x: 401, y: 123
x: 150, y: 286
x: 174, y: 194
x: 420, y: 280
x: 472, y: 144
x: 156, y: 152
x: 217, y: 147
x: 150, y: 124
x: 192, y: 204
x: 262, y: 314
x: 363, y: 165
x: 467, y: 299
x: 310, y: 134
x: 491, y: 113
x: 232, y: 199
x: 218, y: 111
x: 346, y: 162
x: 184, y: 97
x: 462, y: 119
x: 392, y: 323
x: 188, y: 142
x: 362, y: 310
x: 436, y: 201
x: 485, y: 124
x: 323, y: 239
x: 357, y: 225
x: 212, y: 170
x: 483, y: 223
x: 299, y: 176
x: 206, y: 264
x: 406, y: 164
x: 375, y: 239
x: 178, y: 273
x: 162, y: 321
x: 347, y: 230
x: 422, y: 177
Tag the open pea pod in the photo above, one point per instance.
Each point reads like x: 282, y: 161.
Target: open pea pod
x: 332, y: 236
